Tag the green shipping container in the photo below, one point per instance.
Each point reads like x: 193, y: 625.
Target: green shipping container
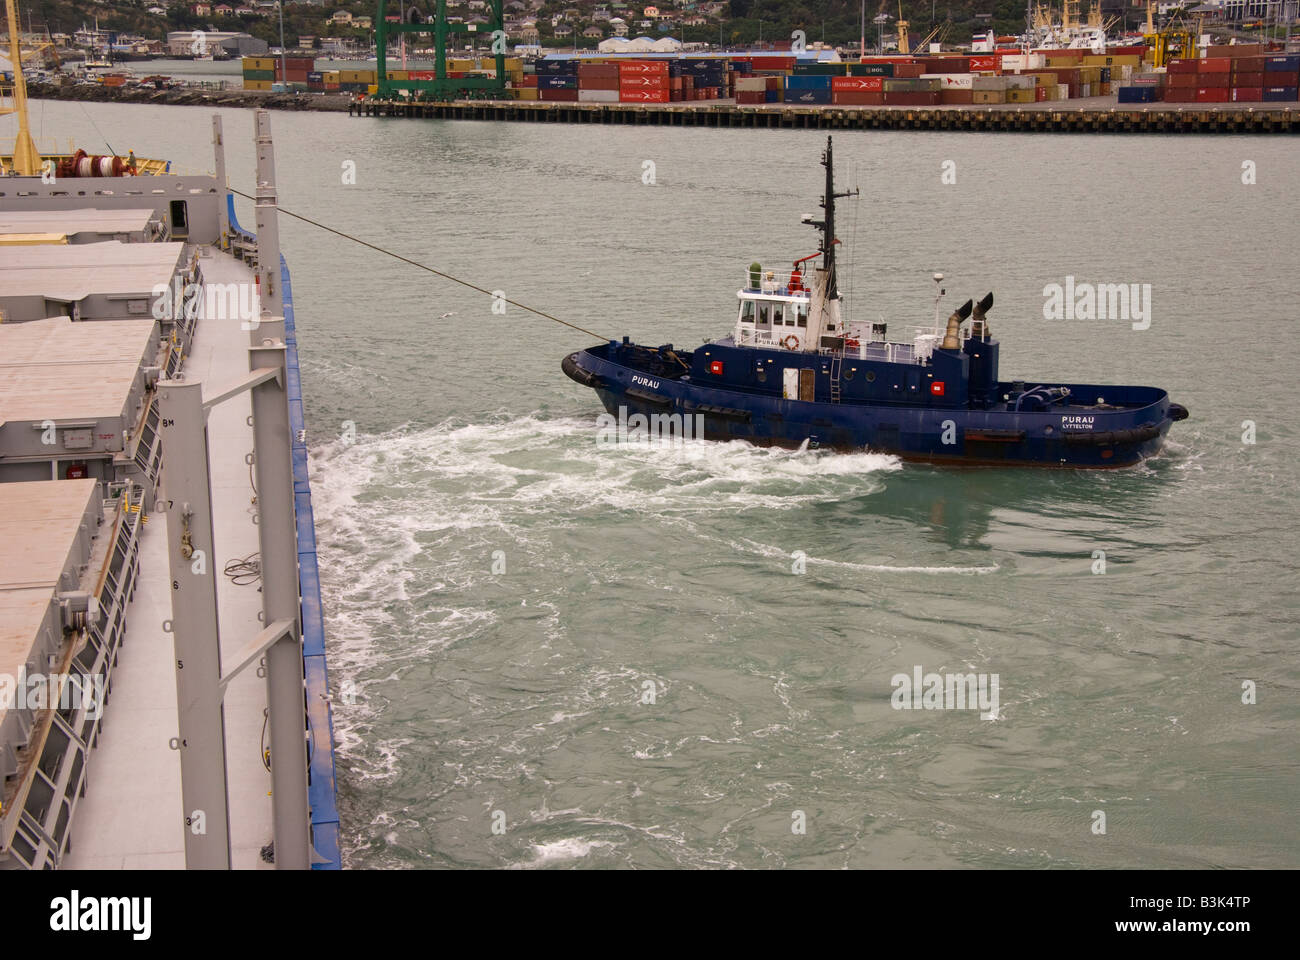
x: 819, y: 69
x: 259, y: 74
x: 871, y: 69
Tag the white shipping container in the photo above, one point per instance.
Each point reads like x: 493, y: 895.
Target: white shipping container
x: 1019, y: 82
x: 597, y: 96
x: 951, y: 81
x: 989, y: 83
x: 751, y: 83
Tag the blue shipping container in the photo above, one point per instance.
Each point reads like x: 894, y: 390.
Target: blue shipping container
x: 808, y: 82
x: 1144, y: 94
x: 568, y: 68
x: 1284, y: 64
x: 808, y: 95
x: 556, y: 82
x: 1280, y: 94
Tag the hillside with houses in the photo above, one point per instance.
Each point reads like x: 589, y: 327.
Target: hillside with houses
x: 563, y: 24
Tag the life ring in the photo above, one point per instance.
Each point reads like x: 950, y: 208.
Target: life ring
x: 851, y: 344
x: 790, y: 342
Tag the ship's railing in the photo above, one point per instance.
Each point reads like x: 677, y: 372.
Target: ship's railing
x: 38, y: 814
x: 887, y: 351
x: 785, y: 284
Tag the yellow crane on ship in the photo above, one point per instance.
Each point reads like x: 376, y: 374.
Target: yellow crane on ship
x: 25, y: 160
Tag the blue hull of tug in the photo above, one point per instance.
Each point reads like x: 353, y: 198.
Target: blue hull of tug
x: 928, y: 429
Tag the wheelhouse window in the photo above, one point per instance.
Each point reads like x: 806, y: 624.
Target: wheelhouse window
x: 764, y: 314
x: 747, y: 311
x: 778, y: 314
x: 801, y: 314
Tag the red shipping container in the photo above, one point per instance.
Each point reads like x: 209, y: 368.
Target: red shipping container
x: 1248, y: 79
x: 643, y: 96
x: 1180, y: 95
x: 1214, y: 65
x: 1184, y: 80
x: 985, y: 63
x: 955, y: 97
x: 751, y: 96
x: 1249, y: 64
x: 530, y: 80
x: 858, y: 98
x: 1276, y: 78
x: 773, y: 63
x: 908, y: 71
x: 597, y: 83
x: 1212, y: 95
x: 643, y: 66
x: 1212, y: 80
x: 563, y: 96
x: 645, y: 81
x: 1247, y: 94
x: 605, y: 70
x: 1182, y: 65
x: 857, y: 83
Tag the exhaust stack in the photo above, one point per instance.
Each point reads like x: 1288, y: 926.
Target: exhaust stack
x: 951, y: 339
x: 979, y: 326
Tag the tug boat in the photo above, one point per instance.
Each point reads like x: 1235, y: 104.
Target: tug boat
x: 793, y: 372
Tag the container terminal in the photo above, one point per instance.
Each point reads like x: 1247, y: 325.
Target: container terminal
x: 164, y: 697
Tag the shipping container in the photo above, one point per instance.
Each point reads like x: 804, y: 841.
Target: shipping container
x: 858, y: 98
x: 1214, y: 65
x: 1182, y: 65
x: 1146, y: 94
x: 871, y: 69
x: 912, y: 98
x: 751, y: 96
x: 860, y: 84
x: 989, y: 62
x: 988, y: 96
x: 644, y: 81
x: 808, y: 82
x: 1280, y: 94
x: 264, y: 85
x: 1247, y: 94
x: 1020, y: 95
x: 558, y: 95
x: 1213, y: 79
x: 644, y: 96
x: 992, y: 83
x: 601, y: 70
x: 597, y: 96
x: 258, y: 75
x: 557, y: 82
x: 808, y: 95
x: 956, y: 96
x: 1289, y: 63
x: 645, y: 67
x: 1250, y: 64
x: 774, y: 63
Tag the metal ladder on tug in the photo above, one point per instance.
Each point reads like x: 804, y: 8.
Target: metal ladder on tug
x: 837, y: 361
